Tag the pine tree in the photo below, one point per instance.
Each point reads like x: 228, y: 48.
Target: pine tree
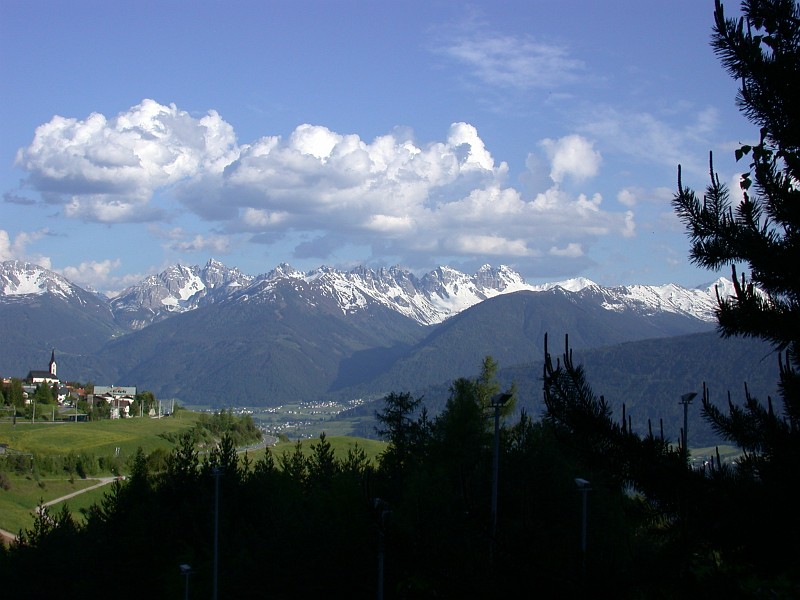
x: 584, y: 422
x: 322, y: 464
x: 761, y: 50
x: 398, y: 424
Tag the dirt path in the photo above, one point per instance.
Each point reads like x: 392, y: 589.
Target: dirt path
x: 103, y: 481
x: 7, y: 537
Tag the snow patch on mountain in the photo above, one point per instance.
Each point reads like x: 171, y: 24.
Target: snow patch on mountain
x: 664, y: 298
x: 19, y: 278
x: 178, y: 289
x: 575, y: 284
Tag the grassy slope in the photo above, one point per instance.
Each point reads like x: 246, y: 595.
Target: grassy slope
x: 18, y: 503
x: 339, y: 444
x: 82, y: 502
x: 97, y: 437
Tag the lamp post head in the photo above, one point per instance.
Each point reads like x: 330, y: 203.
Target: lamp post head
x: 500, y: 399
x: 582, y: 484
x: 688, y: 397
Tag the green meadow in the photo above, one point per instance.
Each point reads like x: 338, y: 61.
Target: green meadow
x: 97, y: 437
x: 339, y: 444
x: 18, y: 503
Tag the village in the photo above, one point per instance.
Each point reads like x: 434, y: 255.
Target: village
x: 68, y: 401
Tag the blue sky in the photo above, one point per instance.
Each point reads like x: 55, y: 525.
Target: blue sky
x: 544, y: 135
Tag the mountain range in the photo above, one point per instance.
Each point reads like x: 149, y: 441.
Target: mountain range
x: 213, y: 335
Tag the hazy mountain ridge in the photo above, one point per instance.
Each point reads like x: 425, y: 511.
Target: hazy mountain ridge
x: 648, y: 377
x: 511, y: 328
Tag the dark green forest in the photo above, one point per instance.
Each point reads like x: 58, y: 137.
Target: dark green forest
x: 481, y: 500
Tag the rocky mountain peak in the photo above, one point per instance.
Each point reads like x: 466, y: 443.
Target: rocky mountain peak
x: 21, y: 278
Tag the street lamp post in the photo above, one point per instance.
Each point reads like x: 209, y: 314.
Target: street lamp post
x: 216, y: 471
x: 497, y: 402
x: 686, y: 400
x: 584, y: 487
x: 383, y: 512
x: 186, y: 570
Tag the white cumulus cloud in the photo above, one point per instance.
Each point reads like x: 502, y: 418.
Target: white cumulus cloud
x: 318, y: 188
x: 16, y: 248
x: 628, y: 197
x: 571, y: 250
x: 94, y: 274
x: 571, y: 156
x: 108, y: 169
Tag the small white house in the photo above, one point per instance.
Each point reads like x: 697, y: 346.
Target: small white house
x: 119, y: 398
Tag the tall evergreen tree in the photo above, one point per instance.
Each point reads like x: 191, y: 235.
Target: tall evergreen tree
x: 398, y: 425
x: 761, y: 50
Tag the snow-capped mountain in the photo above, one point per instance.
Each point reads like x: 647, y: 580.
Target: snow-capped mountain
x: 428, y: 300
x: 18, y: 278
x: 698, y: 302
x: 23, y: 283
x: 177, y: 289
x: 40, y: 310
x: 287, y: 334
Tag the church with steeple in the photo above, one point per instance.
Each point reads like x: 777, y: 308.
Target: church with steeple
x: 50, y: 376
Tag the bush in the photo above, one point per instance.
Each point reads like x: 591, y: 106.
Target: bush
x: 157, y: 460
x: 85, y: 465
x: 17, y: 463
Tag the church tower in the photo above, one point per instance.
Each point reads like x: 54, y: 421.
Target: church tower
x: 53, y: 367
